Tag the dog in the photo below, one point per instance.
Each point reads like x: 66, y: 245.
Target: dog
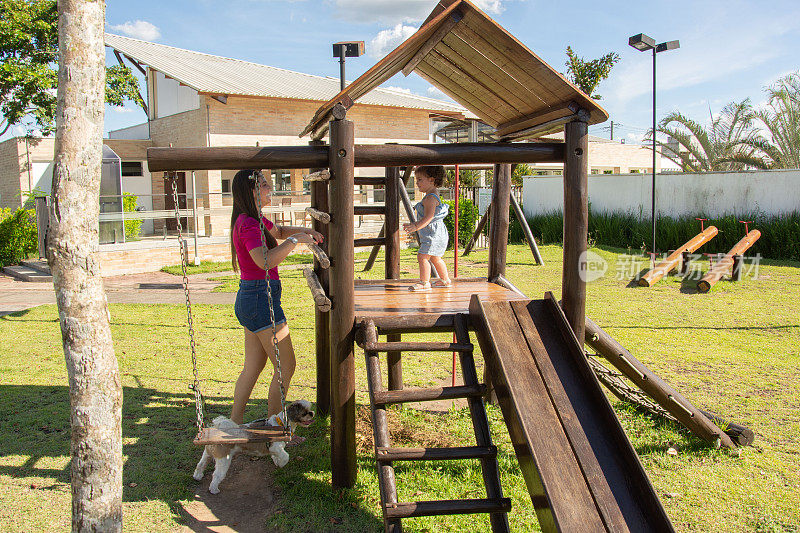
x: 299, y: 413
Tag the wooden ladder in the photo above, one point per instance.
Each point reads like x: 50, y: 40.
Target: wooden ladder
x: 385, y: 454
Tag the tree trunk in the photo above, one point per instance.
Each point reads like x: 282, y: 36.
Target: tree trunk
x: 94, y: 381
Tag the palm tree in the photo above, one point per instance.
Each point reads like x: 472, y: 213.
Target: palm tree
x: 778, y: 144
x: 723, y: 145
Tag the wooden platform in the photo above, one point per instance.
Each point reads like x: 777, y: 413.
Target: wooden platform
x: 393, y: 307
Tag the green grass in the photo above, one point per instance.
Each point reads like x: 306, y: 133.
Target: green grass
x: 733, y: 351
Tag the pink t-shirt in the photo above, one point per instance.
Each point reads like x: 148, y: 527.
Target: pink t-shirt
x: 246, y: 236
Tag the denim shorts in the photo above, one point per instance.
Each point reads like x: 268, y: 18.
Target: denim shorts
x: 252, y: 304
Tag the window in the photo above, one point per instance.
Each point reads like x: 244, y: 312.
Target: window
x: 226, y: 186
x: 132, y: 168
x: 283, y: 180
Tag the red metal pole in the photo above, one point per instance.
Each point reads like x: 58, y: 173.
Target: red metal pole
x: 455, y: 230
x: 455, y: 263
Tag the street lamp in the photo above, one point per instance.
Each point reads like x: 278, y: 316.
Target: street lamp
x: 346, y: 49
x: 643, y: 43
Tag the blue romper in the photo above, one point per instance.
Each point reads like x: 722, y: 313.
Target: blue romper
x: 433, y: 238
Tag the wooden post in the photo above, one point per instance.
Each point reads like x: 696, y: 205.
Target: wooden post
x: 392, y: 223
x: 498, y: 229
x: 342, y: 317
x: 392, y: 270
x: 375, y: 249
x: 576, y: 224
x: 526, y: 229
x: 478, y: 230
x: 736, y: 270
x: 319, y: 201
x: 686, y: 263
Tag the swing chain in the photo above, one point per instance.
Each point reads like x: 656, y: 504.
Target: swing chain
x: 198, y: 396
x: 258, y: 177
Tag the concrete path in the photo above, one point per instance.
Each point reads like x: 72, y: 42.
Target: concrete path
x: 146, y: 288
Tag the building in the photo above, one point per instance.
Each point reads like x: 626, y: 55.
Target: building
x: 200, y: 100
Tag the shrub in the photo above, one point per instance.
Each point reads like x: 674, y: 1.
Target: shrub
x: 132, y: 227
x: 18, y: 238
x: 780, y: 235
x: 467, y: 218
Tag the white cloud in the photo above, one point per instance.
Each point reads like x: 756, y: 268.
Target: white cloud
x: 399, y: 89
x: 122, y: 110
x: 634, y: 138
x: 495, y: 7
x: 383, y: 11
x: 388, y: 40
x: 138, y: 29
x: 435, y: 92
x: 708, y: 52
x: 394, y: 11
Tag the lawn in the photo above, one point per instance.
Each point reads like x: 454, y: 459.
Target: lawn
x: 734, y: 351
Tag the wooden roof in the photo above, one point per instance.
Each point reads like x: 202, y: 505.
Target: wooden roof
x: 472, y: 59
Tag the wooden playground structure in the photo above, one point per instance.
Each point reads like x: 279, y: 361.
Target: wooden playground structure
x: 580, y: 469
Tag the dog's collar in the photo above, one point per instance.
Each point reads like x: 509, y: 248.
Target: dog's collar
x: 279, y: 420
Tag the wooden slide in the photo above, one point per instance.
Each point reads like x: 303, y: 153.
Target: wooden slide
x: 579, y: 467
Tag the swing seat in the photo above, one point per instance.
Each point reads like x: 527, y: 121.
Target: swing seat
x: 242, y: 435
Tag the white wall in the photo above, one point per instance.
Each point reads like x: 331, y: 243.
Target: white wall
x: 137, y: 132
x: 172, y: 97
x: 716, y: 194
x: 42, y: 176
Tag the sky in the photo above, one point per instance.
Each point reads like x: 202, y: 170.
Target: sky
x: 729, y: 50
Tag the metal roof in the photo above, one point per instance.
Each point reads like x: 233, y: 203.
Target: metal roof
x: 218, y: 75
x: 476, y: 62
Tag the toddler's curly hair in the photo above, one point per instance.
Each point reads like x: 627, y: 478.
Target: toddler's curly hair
x: 435, y: 172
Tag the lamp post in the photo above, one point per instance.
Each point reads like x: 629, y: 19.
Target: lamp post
x: 346, y: 49
x: 643, y: 43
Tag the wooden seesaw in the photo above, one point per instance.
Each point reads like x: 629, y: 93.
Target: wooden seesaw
x: 671, y: 261
x: 731, y: 262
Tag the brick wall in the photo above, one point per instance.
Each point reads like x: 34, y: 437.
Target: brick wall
x: 124, y: 259
x: 182, y: 130
x: 243, y: 116
x: 621, y: 158
x: 14, y: 162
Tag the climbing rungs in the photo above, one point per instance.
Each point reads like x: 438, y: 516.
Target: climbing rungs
x: 320, y: 256
x: 318, y: 215
x: 435, y: 454
x: 440, y: 507
x: 417, y: 347
x: 320, y: 175
x: 428, y: 394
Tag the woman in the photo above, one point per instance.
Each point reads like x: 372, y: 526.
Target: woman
x: 248, y: 256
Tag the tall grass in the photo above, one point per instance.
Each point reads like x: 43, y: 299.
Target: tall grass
x: 780, y: 236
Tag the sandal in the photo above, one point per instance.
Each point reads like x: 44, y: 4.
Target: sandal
x: 442, y: 283
x: 420, y: 287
